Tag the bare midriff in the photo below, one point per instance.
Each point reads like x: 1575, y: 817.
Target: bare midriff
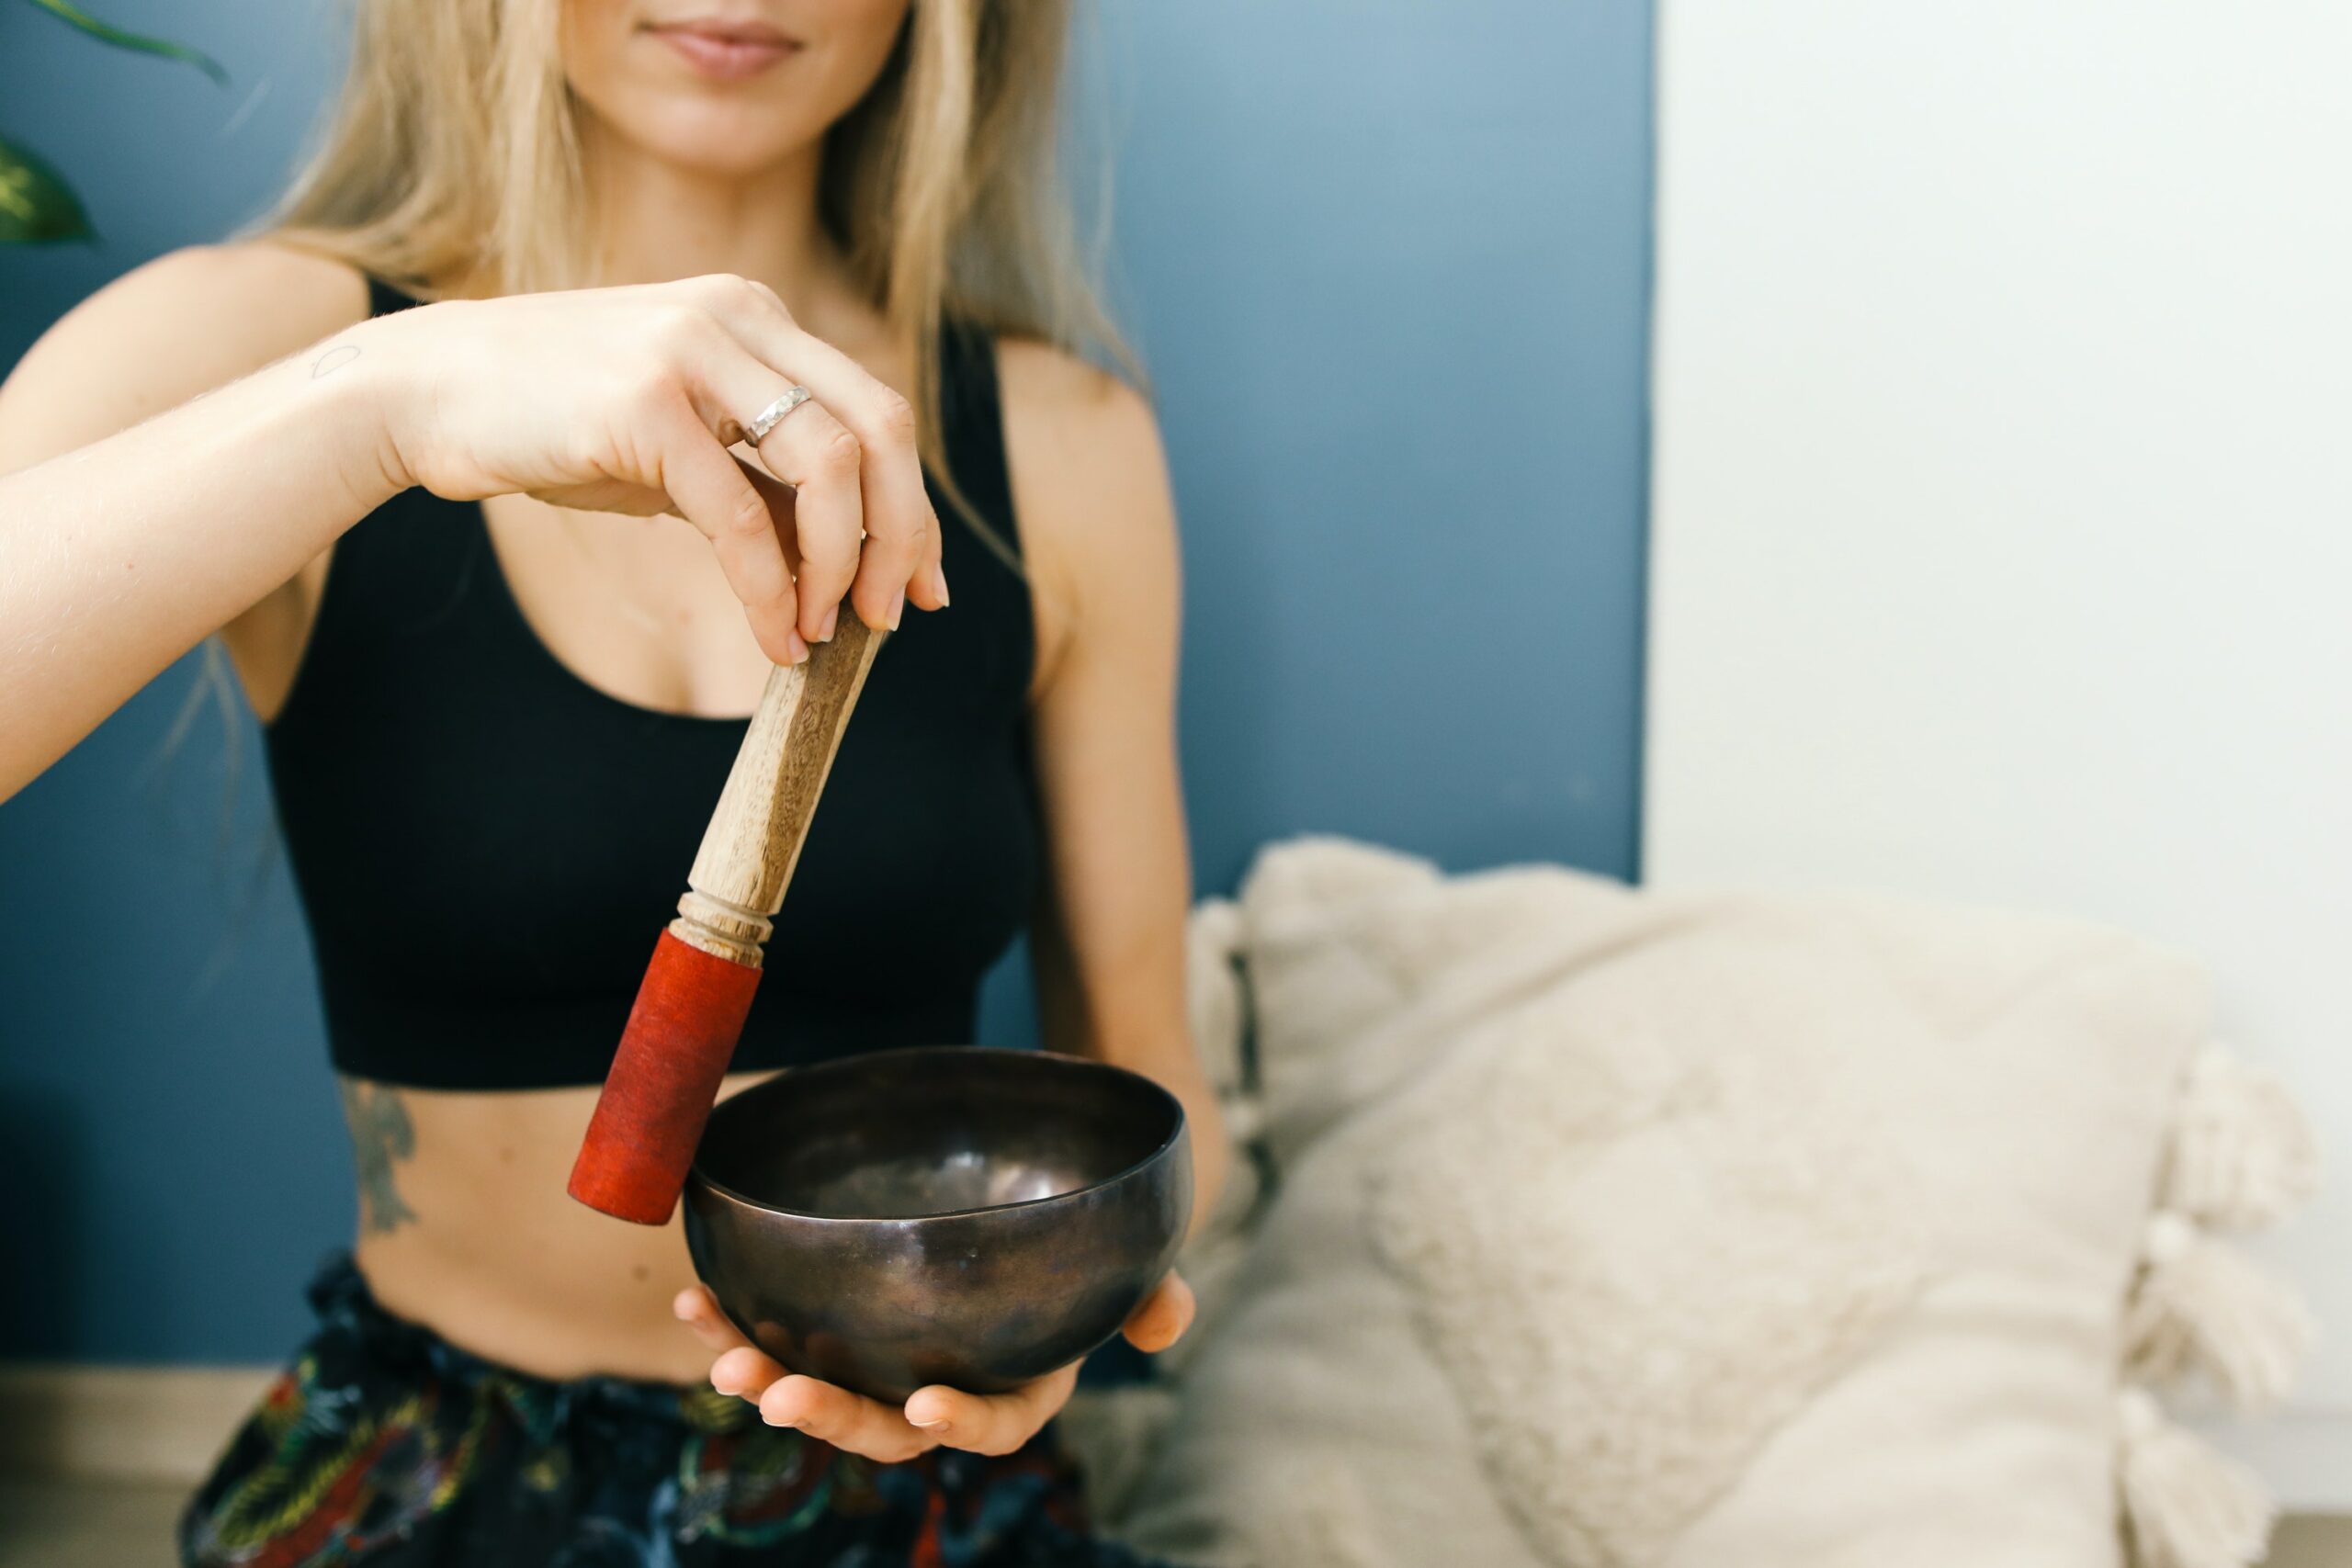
x: 470, y: 1233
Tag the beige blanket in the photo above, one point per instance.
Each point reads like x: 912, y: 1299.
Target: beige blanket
x: 1610, y: 1228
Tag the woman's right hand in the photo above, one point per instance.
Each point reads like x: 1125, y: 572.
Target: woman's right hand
x: 626, y: 400
x: 932, y: 1417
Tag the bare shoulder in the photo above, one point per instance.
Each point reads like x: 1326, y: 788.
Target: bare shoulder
x: 184, y: 323
x: 1057, y: 404
x: 1089, y: 474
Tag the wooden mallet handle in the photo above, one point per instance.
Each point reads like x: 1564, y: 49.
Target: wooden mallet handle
x: 691, y: 1008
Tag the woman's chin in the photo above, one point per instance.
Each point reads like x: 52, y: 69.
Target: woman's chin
x: 717, y: 141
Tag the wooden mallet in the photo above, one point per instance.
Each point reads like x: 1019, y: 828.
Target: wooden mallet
x: 690, y: 1010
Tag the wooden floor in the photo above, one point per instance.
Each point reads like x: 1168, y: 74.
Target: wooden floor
x: 82, y: 1524
x: 75, y: 1524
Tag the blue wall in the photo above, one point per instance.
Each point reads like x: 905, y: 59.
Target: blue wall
x: 1388, y: 264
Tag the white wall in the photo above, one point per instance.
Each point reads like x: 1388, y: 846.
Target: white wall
x: 2003, y: 504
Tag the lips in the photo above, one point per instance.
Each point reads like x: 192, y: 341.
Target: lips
x: 723, y: 49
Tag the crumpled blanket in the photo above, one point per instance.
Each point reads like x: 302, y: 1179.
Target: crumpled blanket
x: 1603, y: 1227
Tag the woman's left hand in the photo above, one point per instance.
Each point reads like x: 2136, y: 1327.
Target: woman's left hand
x: 932, y: 1417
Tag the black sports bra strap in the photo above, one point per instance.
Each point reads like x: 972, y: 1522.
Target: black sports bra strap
x: 383, y: 298
x: 972, y: 412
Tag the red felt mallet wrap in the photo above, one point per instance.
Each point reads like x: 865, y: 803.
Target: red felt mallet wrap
x: 697, y: 991
x: 681, y: 1035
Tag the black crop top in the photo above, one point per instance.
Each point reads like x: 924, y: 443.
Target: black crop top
x: 487, y: 846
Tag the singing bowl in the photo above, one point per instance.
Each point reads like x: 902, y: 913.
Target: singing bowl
x: 940, y: 1214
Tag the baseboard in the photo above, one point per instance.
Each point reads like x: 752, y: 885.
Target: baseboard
x: 121, y: 1423
x: 168, y: 1422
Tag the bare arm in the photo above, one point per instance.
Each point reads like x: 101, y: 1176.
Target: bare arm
x: 123, y: 544
x: 122, y: 549
x: 1100, y: 525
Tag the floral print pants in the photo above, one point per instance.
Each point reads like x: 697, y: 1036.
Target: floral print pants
x: 385, y: 1446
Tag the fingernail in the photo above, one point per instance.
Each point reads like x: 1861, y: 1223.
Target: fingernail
x: 939, y: 584
x: 833, y: 618
x: 898, y: 608
x: 796, y: 650
x: 930, y: 1425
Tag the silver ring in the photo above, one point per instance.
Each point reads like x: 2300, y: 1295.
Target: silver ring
x: 768, y: 418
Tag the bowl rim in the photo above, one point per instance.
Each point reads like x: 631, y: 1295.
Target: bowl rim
x: 697, y: 1176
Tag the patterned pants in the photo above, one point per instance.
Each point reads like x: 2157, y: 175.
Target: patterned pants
x: 384, y: 1445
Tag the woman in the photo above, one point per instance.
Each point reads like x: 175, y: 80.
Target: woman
x: 498, y: 713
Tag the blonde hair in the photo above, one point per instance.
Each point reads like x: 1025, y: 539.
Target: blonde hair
x: 454, y: 151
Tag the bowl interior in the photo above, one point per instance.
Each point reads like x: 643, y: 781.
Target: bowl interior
x: 937, y: 1130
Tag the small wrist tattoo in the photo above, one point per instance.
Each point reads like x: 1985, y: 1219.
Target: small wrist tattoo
x: 334, y: 359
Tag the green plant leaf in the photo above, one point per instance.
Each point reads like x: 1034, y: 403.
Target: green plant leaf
x: 122, y: 38
x: 37, y: 206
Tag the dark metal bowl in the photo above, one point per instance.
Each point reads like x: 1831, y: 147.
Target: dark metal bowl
x: 952, y: 1214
